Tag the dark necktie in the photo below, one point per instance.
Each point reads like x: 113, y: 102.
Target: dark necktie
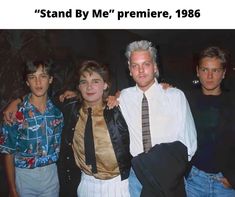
x: 145, y: 125
x: 89, y: 143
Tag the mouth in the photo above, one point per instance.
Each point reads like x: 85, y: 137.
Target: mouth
x: 209, y: 82
x: 141, y: 76
x: 38, y: 88
x: 90, y: 94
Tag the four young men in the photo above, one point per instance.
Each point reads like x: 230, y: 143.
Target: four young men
x: 170, y: 118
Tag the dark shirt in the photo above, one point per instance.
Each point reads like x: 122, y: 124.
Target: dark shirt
x: 214, y: 120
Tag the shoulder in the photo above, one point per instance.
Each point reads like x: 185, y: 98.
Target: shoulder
x: 71, y: 102
x: 227, y: 99
x: 127, y: 96
x: 114, y: 110
x: 173, y: 97
x: 70, y: 105
x: 128, y: 91
x: 53, y: 108
x: 228, y: 95
x: 172, y: 92
x: 113, y: 113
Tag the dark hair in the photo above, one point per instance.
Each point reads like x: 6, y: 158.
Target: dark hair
x: 214, y: 52
x: 32, y: 66
x: 91, y: 66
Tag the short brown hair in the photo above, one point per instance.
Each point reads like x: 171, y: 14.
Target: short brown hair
x: 91, y: 66
x: 214, y: 52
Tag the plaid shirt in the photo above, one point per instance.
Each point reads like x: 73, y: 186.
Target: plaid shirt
x: 34, y: 138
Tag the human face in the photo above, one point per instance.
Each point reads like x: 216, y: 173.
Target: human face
x: 92, y: 86
x: 211, y: 73
x: 39, y: 82
x: 142, y: 69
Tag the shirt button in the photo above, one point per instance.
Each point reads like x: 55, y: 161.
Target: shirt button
x: 72, y: 129
x: 70, y: 144
x: 67, y: 170
x: 68, y: 158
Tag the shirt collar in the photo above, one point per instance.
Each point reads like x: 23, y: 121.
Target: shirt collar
x: 26, y: 102
x: 149, y: 91
x: 97, y: 109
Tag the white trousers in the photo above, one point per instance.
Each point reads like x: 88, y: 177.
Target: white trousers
x: 92, y: 187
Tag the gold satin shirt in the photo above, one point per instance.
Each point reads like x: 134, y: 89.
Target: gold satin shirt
x: 106, y: 161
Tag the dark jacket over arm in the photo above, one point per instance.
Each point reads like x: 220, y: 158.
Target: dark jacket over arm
x: 161, y: 170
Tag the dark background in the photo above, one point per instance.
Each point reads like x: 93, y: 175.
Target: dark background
x: 177, y: 50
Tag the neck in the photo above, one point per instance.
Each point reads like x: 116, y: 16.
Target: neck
x: 214, y: 92
x: 145, y: 88
x: 39, y: 102
x: 93, y: 104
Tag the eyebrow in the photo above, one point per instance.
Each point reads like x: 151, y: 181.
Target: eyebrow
x: 201, y: 66
x: 43, y: 73
x: 96, y: 79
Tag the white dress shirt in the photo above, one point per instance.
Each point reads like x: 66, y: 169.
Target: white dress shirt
x: 169, y: 113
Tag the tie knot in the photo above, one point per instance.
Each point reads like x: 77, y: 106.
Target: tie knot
x: 89, y: 109
x: 144, y: 98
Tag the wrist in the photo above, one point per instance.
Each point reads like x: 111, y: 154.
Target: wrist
x: 12, y: 190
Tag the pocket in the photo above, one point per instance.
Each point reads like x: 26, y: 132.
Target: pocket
x: 193, y: 173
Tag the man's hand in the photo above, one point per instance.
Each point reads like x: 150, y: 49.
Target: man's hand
x: 225, y: 182
x: 112, y: 100
x: 10, y: 111
x: 165, y: 86
x: 67, y: 95
x: 13, y: 193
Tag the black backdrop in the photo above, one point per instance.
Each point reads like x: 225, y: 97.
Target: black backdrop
x: 177, y: 49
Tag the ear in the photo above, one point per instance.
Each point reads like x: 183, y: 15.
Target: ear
x: 105, y: 86
x: 156, y: 71
x: 224, y: 73
x: 129, y: 65
x: 129, y: 68
x: 197, y: 70
x: 50, y: 80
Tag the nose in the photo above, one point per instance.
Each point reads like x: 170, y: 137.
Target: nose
x: 38, y: 81
x: 89, y: 86
x: 210, y: 75
x: 141, y: 68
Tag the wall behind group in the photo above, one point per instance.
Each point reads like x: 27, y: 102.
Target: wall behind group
x: 177, y: 49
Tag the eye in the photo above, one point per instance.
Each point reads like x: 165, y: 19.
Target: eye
x: 133, y: 65
x: 203, y: 69
x: 44, y: 76
x: 96, y: 81
x: 147, y: 63
x: 30, y: 77
x: 82, y: 82
x: 218, y: 70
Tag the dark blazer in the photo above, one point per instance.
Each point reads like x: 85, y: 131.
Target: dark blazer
x: 69, y: 173
x: 161, y: 170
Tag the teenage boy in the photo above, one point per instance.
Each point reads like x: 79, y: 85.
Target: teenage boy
x: 32, y: 141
